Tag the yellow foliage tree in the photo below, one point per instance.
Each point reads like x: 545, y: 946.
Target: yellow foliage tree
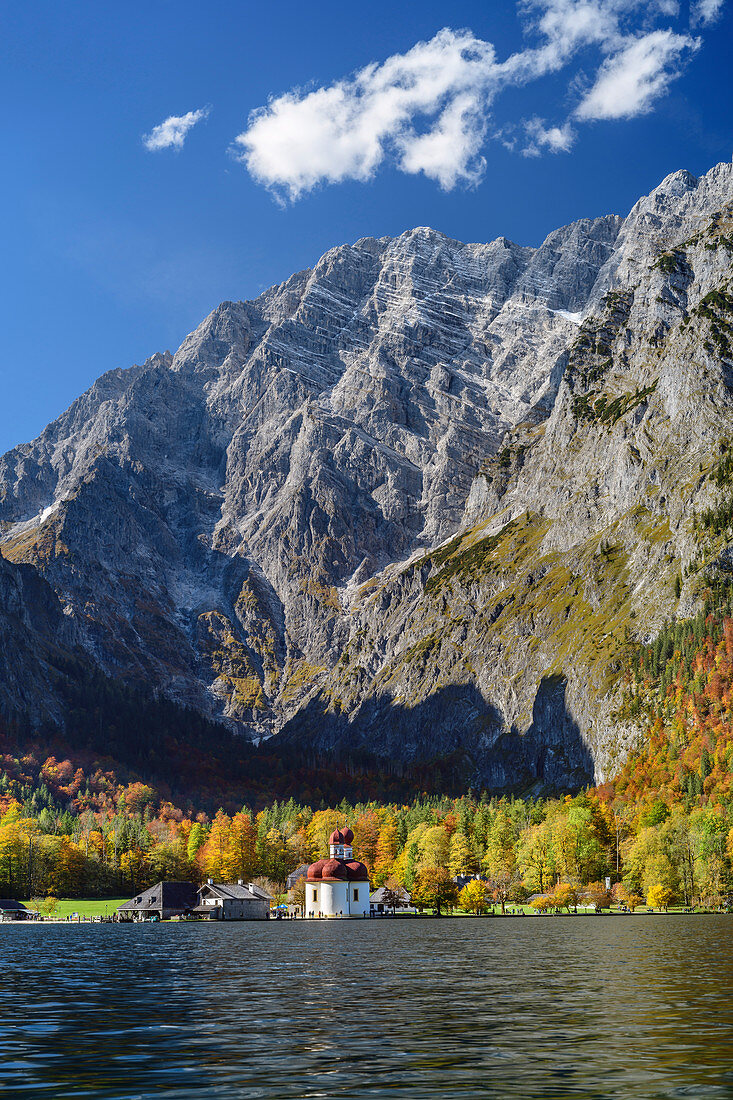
x: 473, y: 898
x: 461, y: 860
x: 241, y: 859
x: 366, y: 837
x: 564, y: 896
x: 660, y: 896
x: 387, y: 848
x: 321, y: 825
x: 500, y: 857
x: 215, y: 855
x: 433, y: 846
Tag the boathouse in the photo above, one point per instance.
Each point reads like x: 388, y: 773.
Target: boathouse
x: 232, y: 901
x: 160, y: 902
x: 12, y: 910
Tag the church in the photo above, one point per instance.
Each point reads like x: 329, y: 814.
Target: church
x: 337, y: 886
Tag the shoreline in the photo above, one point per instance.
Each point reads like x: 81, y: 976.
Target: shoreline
x: 87, y: 921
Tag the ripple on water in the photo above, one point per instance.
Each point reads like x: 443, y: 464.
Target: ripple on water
x: 632, y: 1008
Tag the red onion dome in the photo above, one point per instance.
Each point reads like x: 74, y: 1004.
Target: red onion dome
x: 356, y: 871
x: 347, y: 835
x: 315, y: 871
x: 336, y: 837
x: 334, y: 868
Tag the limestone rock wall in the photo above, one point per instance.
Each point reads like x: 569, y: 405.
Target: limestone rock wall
x: 409, y: 499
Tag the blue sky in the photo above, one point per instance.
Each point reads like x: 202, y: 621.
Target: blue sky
x: 512, y: 126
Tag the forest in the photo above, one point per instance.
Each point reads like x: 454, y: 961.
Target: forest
x: 75, y: 823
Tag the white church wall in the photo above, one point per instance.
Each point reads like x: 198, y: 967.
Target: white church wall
x: 336, y: 899
x: 359, y: 898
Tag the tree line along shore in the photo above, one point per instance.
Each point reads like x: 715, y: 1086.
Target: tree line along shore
x: 75, y: 823
x: 547, y: 853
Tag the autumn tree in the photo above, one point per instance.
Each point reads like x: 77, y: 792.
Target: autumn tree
x: 367, y: 827
x: 387, y: 849
x: 433, y: 846
x: 500, y: 857
x: 660, y: 896
x: 565, y: 896
x: 461, y: 858
x: 242, y: 849
x: 320, y: 827
x: 215, y: 855
x: 598, y: 896
x: 434, y: 889
x: 473, y: 897
x: 536, y: 855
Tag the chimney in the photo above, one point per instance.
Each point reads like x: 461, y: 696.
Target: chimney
x: 240, y: 882
x: 210, y: 881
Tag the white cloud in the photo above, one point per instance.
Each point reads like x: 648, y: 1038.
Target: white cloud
x: 450, y: 151
x: 704, y: 12
x: 630, y: 80
x: 171, y: 134
x: 555, y: 139
x: 429, y: 109
x: 344, y: 131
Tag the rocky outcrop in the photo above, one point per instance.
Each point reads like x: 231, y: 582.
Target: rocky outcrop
x: 415, y: 500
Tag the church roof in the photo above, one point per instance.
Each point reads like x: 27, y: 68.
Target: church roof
x: 341, y: 836
x: 338, y: 870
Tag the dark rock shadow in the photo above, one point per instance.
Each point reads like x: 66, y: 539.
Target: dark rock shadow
x: 453, y: 740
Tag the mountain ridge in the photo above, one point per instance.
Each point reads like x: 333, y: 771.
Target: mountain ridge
x: 209, y: 520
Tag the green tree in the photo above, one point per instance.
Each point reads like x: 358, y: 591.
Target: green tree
x: 196, y: 840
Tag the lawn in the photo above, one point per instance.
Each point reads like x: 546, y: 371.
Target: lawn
x: 87, y: 907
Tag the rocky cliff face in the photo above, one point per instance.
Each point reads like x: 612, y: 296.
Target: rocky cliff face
x: 412, y: 501
x: 39, y: 648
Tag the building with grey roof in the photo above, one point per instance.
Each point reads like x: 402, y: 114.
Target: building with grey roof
x: 160, y: 902
x: 296, y: 875
x: 232, y: 901
x: 12, y: 910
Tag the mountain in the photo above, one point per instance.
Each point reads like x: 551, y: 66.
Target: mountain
x: 415, y: 502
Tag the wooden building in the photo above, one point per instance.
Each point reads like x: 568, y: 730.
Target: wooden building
x: 160, y: 902
x: 12, y: 910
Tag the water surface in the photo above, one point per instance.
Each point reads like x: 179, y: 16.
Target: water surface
x: 636, y: 1007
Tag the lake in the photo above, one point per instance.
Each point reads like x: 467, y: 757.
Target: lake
x: 540, y: 1007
